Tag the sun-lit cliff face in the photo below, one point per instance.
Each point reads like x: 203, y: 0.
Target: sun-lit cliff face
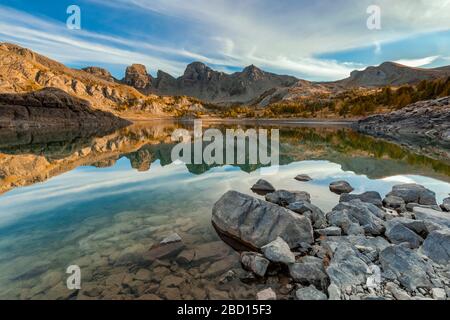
x: 22, y: 70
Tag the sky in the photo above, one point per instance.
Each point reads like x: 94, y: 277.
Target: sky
x: 314, y: 40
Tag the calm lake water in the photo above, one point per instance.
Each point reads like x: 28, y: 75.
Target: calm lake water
x: 102, y: 202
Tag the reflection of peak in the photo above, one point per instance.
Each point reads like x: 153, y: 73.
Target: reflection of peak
x: 141, y: 160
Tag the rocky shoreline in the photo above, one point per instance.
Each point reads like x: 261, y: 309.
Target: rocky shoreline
x: 52, y: 108
x: 423, y: 126
x: 366, y: 248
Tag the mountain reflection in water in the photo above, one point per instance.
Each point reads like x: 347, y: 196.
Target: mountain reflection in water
x: 101, y: 200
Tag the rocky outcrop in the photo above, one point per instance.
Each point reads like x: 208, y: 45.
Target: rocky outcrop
x: 136, y: 76
x: 52, y: 107
x: 100, y: 73
x: 362, y: 251
x: 423, y: 126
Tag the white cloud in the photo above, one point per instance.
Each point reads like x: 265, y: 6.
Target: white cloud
x: 418, y: 62
x: 282, y: 36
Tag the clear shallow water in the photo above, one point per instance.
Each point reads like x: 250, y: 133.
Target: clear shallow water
x: 103, y: 202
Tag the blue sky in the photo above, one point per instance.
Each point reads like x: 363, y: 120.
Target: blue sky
x: 320, y: 40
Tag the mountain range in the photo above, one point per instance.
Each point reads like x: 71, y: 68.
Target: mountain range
x: 22, y: 70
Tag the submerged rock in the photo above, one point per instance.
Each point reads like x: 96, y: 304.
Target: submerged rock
x: 372, y: 197
x: 251, y: 221
x: 414, y: 193
x: 437, y: 246
x: 340, y: 187
x: 255, y: 262
x: 310, y: 293
x: 262, y: 186
x: 284, y: 198
x: 278, y: 251
x: 174, y: 237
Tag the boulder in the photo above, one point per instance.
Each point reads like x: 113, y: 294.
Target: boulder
x: 340, y: 187
x: 418, y: 226
x: 407, y: 267
x: 446, y: 205
x: 310, y: 293
x: 317, y: 216
x: 254, y: 262
x: 410, y: 207
x: 330, y: 231
x: 395, y: 203
x: 346, y: 267
x: 284, y: 198
x: 262, y: 186
x: 398, y: 233
x: 303, y: 178
x: 372, y: 197
x: 266, y: 294
x: 256, y: 223
x: 357, y: 217
x: 433, y: 219
x: 437, y: 246
x: 414, y: 193
x: 309, y: 270
x: 278, y: 251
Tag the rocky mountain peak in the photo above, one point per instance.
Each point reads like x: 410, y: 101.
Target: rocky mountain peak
x: 252, y: 72
x: 197, y: 71
x: 136, y: 76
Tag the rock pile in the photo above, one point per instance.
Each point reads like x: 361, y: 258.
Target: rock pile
x: 396, y: 248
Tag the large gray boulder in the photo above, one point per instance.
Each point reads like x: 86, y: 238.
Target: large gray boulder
x: 317, y: 216
x: 437, y: 246
x: 398, y: 233
x: 278, y: 251
x: 407, y: 266
x: 357, y: 217
x: 340, y: 187
x: 256, y: 223
x: 255, y: 262
x: 372, y: 197
x: 284, y: 198
x: 414, y: 193
x: 433, y: 219
x: 309, y: 270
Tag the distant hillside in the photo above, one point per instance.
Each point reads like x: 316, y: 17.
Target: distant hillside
x: 391, y: 74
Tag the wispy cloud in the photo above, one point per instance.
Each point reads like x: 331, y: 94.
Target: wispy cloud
x: 418, y: 62
x: 286, y: 36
